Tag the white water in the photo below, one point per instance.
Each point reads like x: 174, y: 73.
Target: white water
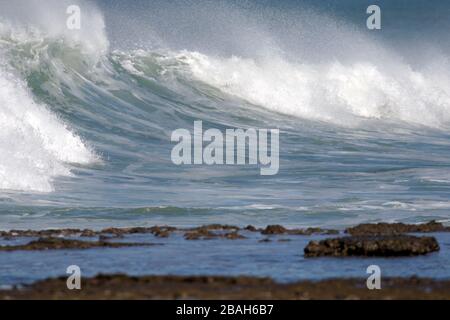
x: 34, y: 143
x: 36, y: 146
x: 305, y: 63
x: 363, y: 80
x: 25, y: 20
x: 330, y: 91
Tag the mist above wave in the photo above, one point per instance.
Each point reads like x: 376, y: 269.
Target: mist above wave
x: 26, y: 20
x: 296, y: 60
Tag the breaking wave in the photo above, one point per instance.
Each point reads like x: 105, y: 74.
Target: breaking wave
x: 45, y: 69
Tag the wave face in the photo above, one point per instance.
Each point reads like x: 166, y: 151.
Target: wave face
x: 35, y: 144
x: 331, y: 92
x: 85, y: 119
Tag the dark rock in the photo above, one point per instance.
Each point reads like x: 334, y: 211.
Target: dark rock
x: 88, y: 233
x: 124, y: 231
x: 42, y: 233
x: 162, y: 232
x: 384, y: 246
x: 214, y: 227
x: 311, y: 231
x: 274, y: 229
x: 204, y: 233
x: 113, y: 231
x: 396, y: 228
x: 59, y: 244
x: 199, y: 234
x: 277, y: 229
x: 233, y: 236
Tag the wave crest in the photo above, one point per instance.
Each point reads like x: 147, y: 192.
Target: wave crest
x: 331, y: 92
x: 35, y: 145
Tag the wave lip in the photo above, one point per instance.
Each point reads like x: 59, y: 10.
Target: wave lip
x: 34, y: 143
x: 330, y: 91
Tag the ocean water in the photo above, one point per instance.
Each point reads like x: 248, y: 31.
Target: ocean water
x: 282, y: 261
x: 86, y: 116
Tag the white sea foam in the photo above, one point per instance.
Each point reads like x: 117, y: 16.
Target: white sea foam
x: 315, y: 66
x: 330, y: 91
x: 35, y: 145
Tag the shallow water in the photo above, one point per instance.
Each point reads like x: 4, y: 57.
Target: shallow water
x: 283, y: 261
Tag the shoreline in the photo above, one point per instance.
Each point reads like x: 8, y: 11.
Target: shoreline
x: 121, y: 286
x: 382, y: 240
x: 205, y: 232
